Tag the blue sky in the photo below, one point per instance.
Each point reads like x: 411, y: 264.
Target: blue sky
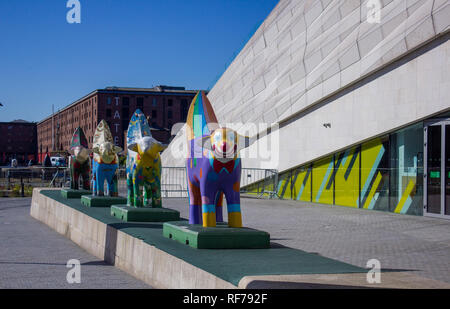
x: 135, y: 43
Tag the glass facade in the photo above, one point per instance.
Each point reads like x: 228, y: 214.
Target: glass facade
x: 374, y: 175
x: 383, y: 174
x: 406, y: 174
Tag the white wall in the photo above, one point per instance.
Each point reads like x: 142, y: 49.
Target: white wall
x: 413, y: 91
x: 306, y: 50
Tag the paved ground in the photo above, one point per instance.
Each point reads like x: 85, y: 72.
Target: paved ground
x: 34, y: 256
x: 399, y: 242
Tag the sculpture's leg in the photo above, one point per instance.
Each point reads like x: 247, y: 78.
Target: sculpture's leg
x: 195, y: 204
x: 112, y: 184
x: 219, y: 207
x: 94, y: 184
x: 209, y: 192
x: 73, y: 175
x: 137, y: 193
x: 86, y: 181
x: 100, y: 181
x: 147, y: 193
x: 94, y: 179
x: 75, y: 178
x: 234, y: 206
x: 156, y: 194
x: 85, y: 176
x: 130, y: 192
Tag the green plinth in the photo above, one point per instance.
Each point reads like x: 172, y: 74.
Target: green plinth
x: 102, y: 201
x: 219, y: 237
x: 72, y: 193
x: 144, y: 214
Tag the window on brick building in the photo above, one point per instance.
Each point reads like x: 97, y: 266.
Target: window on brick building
x: 154, y: 114
x: 125, y: 101
x: 125, y: 113
x: 140, y: 103
x: 184, y: 109
x: 108, y: 112
x: 154, y: 102
x: 169, y: 114
x: 169, y: 102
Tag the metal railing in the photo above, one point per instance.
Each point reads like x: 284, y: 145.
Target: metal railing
x: 173, y: 180
x: 259, y: 182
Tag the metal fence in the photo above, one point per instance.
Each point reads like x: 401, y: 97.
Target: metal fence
x: 173, y: 180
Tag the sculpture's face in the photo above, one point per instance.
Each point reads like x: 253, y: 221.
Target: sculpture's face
x: 224, y: 143
x: 147, y: 146
x: 107, y: 151
x: 81, y: 153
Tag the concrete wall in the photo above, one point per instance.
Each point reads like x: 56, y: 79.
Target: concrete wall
x: 413, y: 91
x: 307, y: 51
x: 145, y: 262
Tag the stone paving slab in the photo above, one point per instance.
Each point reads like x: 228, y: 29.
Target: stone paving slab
x: 419, y: 245
x: 229, y: 265
x: 34, y: 256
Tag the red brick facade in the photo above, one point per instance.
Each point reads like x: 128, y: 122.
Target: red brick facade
x: 164, y: 106
x: 18, y: 141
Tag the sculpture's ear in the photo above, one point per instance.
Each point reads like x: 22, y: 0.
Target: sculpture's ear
x: 204, y: 142
x: 117, y: 149
x: 133, y: 147
x: 96, y: 149
x: 245, y: 141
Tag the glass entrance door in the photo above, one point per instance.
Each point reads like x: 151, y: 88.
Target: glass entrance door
x: 437, y: 169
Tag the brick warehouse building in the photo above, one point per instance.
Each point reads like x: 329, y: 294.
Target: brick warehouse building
x: 18, y: 141
x: 163, y: 105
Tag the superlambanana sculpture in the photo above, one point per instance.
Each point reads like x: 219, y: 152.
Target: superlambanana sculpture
x: 143, y: 164
x: 105, y: 161
x: 213, y: 166
x: 79, y: 162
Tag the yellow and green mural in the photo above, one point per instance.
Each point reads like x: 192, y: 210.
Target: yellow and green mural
x: 381, y: 174
x: 347, y: 178
x: 301, y: 190
x: 322, y: 183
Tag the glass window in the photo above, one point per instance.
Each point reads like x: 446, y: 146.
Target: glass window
x: 346, y: 177
x: 301, y: 184
x: 406, y: 170
x: 447, y: 169
x: 434, y: 167
x: 322, y: 181
x: 374, y: 187
x: 140, y: 103
x: 284, y: 186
